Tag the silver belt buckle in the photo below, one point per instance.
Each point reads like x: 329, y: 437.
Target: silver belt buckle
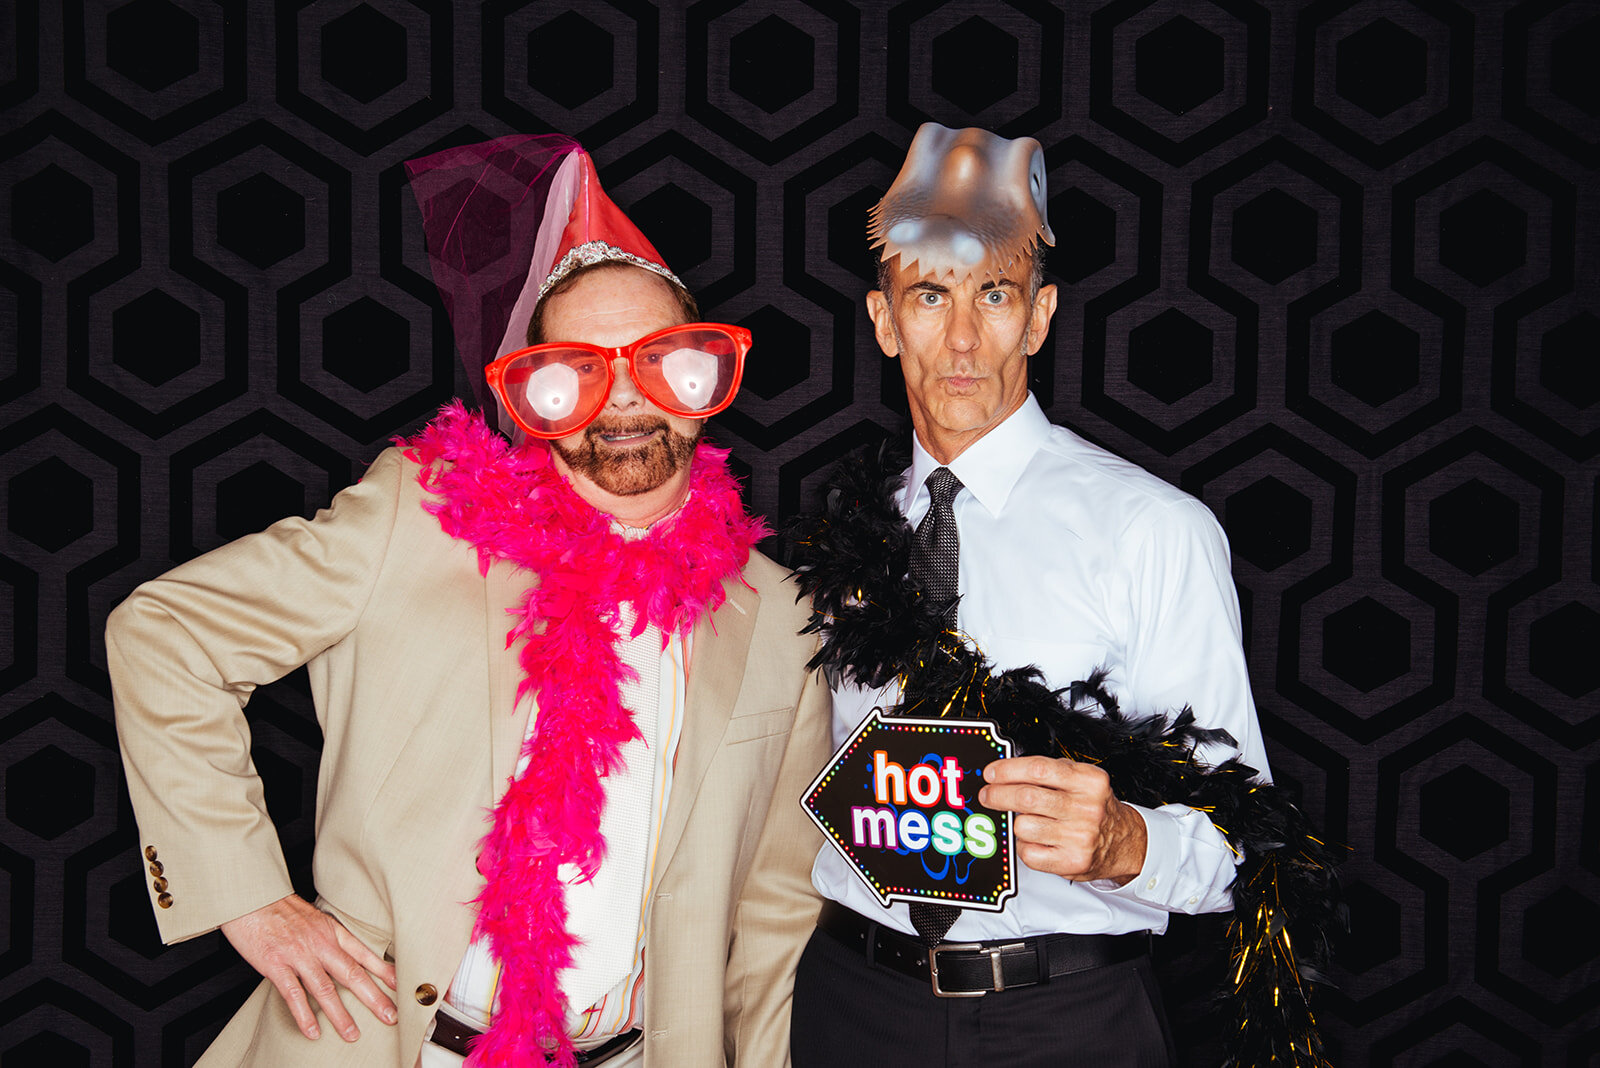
x: 960, y: 947
x: 993, y: 953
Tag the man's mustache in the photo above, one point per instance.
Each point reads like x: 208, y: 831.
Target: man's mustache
x: 643, y: 424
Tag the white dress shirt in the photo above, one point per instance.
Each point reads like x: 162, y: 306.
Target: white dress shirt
x: 1072, y: 559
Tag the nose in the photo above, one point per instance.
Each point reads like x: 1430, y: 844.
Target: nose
x: 961, y: 328
x: 625, y: 396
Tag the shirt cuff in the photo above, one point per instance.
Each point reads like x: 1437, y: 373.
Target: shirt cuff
x: 1160, y: 883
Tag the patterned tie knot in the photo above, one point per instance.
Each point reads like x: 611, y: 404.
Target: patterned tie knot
x: 943, y: 486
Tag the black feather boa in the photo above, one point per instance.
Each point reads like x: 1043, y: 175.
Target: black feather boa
x: 854, y: 558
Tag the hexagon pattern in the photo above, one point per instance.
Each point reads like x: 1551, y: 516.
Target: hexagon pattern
x: 1327, y: 265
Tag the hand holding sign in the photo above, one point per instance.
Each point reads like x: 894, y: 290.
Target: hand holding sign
x: 1066, y: 819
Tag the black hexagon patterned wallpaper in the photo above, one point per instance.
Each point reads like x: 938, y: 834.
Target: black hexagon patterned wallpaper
x: 1329, y: 266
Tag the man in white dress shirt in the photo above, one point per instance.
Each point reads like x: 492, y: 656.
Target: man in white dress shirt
x: 1070, y: 559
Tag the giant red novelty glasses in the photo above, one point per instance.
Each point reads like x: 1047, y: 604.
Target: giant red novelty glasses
x: 558, y: 388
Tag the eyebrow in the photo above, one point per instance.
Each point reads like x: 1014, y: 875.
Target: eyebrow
x: 935, y: 287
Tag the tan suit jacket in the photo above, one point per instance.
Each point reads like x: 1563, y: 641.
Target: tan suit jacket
x: 414, y: 688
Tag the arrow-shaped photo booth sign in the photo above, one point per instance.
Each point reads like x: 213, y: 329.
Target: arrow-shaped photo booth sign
x: 899, y: 799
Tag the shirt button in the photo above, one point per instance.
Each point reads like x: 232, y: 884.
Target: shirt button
x: 165, y: 901
x: 149, y: 852
x: 1194, y: 901
x: 1151, y: 885
x: 427, y: 994
x: 158, y: 885
x: 156, y: 867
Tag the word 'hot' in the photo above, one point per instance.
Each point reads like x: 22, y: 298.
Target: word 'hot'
x: 891, y: 783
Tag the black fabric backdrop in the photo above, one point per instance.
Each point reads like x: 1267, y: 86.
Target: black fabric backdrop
x: 1329, y: 266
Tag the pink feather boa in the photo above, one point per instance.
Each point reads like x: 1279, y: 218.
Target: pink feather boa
x: 512, y: 505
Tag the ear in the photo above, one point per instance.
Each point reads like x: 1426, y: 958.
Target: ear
x: 1044, y: 307
x: 882, y: 323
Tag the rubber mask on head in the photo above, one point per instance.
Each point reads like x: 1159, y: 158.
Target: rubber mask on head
x: 965, y: 201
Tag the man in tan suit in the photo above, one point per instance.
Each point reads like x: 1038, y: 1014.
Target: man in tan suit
x: 399, y: 597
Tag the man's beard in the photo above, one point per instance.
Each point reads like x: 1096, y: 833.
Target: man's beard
x: 634, y: 469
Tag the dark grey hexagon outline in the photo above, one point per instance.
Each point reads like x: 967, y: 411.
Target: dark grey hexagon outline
x: 260, y: 422
x: 54, y: 994
x: 1357, y: 999
x: 1458, y: 1011
x: 1281, y: 152
x: 436, y: 99
x: 1547, y: 554
x: 1316, y: 462
x: 1498, y: 687
x: 297, y: 294
x: 202, y: 177
x: 1478, y: 735
x: 798, y: 277
x: 154, y: 130
x: 123, y: 174
x: 80, y: 737
x: 25, y: 50
x: 1558, y: 135
x: 806, y: 131
x: 1434, y: 885
x: 1098, y: 309
x: 645, y: 100
x: 1519, y: 281
x: 1563, y: 226
x: 335, y: 402
x: 1500, y: 966
x: 1449, y: 477
x: 741, y: 187
x: 1536, y: 411
x: 1132, y: 271
x: 1413, y: 701
x: 1529, y: 613
x: 124, y: 549
x: 1225, y: 403
x: 1489, y: 971
x: 1045, y: 110
x: 1406, y: 425
x: 94, y: 376
x: 1105, y: 111
x: 1458, y: 104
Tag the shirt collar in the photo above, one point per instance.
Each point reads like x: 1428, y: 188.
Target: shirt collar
x: 990, y: 466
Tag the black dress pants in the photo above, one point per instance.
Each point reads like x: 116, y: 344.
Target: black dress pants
x: 848, y: 1012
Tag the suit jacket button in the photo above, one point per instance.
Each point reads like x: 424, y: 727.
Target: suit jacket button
x: 164, y: 900
x: 156, y: 867
x: 158, y: 885
x: 427, y: 994
x: 149, y: 852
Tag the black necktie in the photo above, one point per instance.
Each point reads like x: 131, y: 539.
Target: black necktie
x: 935, y: 555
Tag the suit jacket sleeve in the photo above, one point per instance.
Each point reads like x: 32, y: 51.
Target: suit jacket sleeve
x: 778, y: 907
x: 185, y: 652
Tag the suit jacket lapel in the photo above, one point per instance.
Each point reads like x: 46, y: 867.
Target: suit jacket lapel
x: 716, y: 670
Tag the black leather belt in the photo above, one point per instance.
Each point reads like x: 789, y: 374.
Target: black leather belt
x: 973, y: 969
x: 452, y: 1034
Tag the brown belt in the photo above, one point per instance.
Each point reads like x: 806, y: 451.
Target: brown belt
x: 973, y: 969
x: 452, y: 1034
